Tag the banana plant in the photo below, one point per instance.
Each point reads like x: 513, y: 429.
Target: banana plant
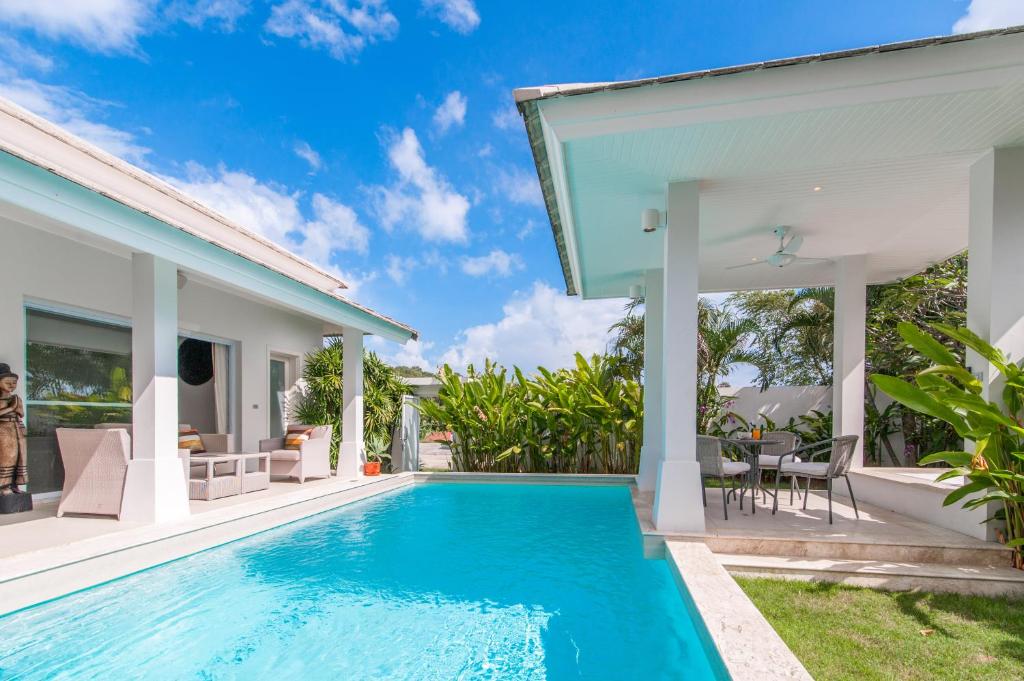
x: 587, y: 419
x: 948, y: 391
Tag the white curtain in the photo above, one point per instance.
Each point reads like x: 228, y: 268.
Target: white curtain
x: 220, y: 385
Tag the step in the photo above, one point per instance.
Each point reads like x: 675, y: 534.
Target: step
x: 979, y: 553
x: 981, y: 580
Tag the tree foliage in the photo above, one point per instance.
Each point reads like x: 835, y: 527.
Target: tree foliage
x: 792, y: 338
x: 320, y: 401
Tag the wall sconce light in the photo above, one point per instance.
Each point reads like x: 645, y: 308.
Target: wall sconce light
x: 650, y: 220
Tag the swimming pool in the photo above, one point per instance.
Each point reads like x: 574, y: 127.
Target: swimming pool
x: 435, y: 581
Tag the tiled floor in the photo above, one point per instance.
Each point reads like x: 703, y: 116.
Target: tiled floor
x: 792, y: 522
x: 41, y: 529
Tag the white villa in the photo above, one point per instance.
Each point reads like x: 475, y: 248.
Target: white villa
x: 879, y: 161
x: 109, y: 267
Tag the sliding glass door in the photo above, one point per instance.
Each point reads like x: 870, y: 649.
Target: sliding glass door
x: 78, y: 375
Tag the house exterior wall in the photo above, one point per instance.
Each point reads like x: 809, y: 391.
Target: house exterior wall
x: 45, y: 268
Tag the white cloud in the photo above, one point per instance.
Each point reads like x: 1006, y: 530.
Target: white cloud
x: 986, y: 14
x: 421, y: 197
x: 309, y: 155
x: 411, y: 355
x: 18, y: 53
x: 224, y: 14
x: 343, y: 29
x: 540, y: 327
x: 518, y: 186
x: 399, y: 268
x: 485, y: 151
x: 526, y: 230
x: 100, y: 25
x: 275, y: 213
x: 459, y: 15
x: 506, y: 118
x: 73, y: 111
x: 497, y: 263
x: 451, y: 112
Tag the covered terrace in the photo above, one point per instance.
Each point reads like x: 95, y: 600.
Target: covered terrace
x: 879, y: 161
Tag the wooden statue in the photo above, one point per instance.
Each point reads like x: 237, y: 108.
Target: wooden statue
x: 13, y: 455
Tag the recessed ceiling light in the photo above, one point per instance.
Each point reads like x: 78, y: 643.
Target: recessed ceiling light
x: 817, y: 189
x: 753, y: 260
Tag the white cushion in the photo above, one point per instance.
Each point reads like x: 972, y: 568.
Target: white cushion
x: 809, y: 468
x: 735, y: 467
x: 772, y: 461
x: 285, y: 455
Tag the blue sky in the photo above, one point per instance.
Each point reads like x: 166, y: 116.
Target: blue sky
x: 378, y: 139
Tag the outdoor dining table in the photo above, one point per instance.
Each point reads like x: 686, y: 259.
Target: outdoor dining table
x: 750, y: 449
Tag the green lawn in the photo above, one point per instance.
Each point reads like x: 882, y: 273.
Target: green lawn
x: 842, y: 632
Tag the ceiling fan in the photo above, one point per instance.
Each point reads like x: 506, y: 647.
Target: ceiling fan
x: 786, y: 253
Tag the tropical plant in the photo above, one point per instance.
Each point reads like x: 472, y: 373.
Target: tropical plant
x: 588, y: 419
x: 792, y: 337
x: 378, y: 449
x: 723, y: 344
x: 628, y: 340
x: 937, y: 295
x: 948, y: 391
x: 320, y: 400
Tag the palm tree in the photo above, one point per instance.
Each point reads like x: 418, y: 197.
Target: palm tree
x: 723, y: 343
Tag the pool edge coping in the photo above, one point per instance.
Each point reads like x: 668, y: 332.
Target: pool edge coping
x: 746, y: 642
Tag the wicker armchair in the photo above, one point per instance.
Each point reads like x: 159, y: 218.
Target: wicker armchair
x: 311, y: 460
x: 840, y: 450
x: 714, y: 465
x: 95, y: 465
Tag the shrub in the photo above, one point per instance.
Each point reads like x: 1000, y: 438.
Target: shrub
x: 588, y: 419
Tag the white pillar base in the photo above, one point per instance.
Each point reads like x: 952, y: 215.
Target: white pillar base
x: 647, y: 478
x: 154, y: 491
x: 350, y: 461
x: 677, y: 501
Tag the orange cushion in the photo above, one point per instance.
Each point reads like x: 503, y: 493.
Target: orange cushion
x: 190, y: 440
x: 295, y: 436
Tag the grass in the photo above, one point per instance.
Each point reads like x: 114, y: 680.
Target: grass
x: 841, y: 632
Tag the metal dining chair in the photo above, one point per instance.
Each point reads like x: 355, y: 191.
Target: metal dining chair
x: 840, y: 450
x: 714, y: 465
x: 768, y: 460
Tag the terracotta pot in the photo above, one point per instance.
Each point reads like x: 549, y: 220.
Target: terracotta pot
x: 371, y: 468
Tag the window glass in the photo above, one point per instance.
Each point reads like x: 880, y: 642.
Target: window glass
x: 78, y: 375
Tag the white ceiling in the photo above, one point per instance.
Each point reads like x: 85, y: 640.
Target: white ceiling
x: 891, y: 154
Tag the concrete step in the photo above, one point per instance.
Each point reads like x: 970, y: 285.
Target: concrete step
x: 982, y: 580
x: 949, y: 553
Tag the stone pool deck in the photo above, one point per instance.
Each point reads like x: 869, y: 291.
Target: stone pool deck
x: 882, y: 549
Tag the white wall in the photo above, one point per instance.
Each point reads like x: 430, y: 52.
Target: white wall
x: 43, y: 267
x: 780, y: 403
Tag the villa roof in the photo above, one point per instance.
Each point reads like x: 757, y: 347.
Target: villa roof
x: 627, y: 110
x: 40, y: 142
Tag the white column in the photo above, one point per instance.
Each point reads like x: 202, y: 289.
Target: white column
x: 995, y: 277
x: 155, y: 485
x: 654, y: 423
x: 677, y: 498
x: 351, y: 456
x: 848, y: 357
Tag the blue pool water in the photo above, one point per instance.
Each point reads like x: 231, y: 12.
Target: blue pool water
x: 436, y: 581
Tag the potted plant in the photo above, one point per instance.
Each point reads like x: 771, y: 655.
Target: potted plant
x: 376, y: 453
